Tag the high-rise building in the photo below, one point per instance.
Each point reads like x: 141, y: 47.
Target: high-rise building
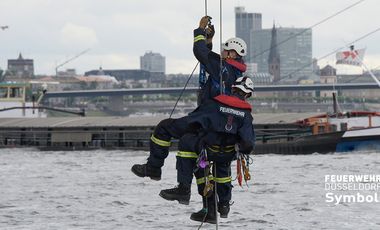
x: 294, y: 46
x: 152, y: 62
x: 20, y: 67
x: 245, y: 25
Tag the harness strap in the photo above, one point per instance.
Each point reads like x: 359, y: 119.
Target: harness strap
x: 221, y: 149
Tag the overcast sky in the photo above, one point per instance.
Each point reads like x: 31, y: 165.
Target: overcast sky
x: 118, y: 32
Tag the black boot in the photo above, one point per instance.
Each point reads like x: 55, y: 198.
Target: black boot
x: 146, y: 170
x: 224, y: 209
x: 207, y: 213
x: 181, y: 193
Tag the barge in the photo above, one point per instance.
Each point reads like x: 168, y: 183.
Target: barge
x: 275, y: 133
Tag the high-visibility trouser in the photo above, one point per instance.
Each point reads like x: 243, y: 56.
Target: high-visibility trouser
x: 221, y: 175
x: 160, y: 140
x: 186, y: 157
x: 186, y: 165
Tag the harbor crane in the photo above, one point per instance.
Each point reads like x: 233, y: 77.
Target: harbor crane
x: 69, y: 60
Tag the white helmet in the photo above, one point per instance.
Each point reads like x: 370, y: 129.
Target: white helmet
x: 236, y: 44
x: 245, y: 84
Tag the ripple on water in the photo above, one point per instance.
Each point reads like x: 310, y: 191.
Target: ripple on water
x: 68, y: 163
x: 259, y: 221
x: 104, y: 194
x: 6, y: 206
x: 120, y: 203
x: 303, y: 209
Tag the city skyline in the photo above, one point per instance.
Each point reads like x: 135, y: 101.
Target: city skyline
x: 119, y: 33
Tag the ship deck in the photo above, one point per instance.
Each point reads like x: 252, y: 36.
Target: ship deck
x: 121, y: 132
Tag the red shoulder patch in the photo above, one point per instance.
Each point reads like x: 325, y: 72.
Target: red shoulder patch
x: 233, y: 102
x: 238, y: 65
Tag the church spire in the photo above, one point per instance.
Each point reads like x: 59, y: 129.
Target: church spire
x: 274, y: 56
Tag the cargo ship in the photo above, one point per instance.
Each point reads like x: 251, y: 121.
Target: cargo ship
x: 324, y: 133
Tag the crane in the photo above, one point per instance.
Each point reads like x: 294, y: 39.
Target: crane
x: 69, y: 60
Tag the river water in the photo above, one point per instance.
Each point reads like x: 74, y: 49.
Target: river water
x: 96, y: 190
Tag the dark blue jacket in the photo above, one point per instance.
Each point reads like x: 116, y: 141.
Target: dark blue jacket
x: 223, y: 121
x: 230, y: 72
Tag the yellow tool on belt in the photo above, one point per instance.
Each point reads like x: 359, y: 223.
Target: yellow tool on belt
x: 209, y: 187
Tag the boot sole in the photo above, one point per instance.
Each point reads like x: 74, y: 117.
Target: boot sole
x: 139, y: 175
x: 155, y: 178
x: 206, y: 221
x: 185, y: 202
x: 223, y: 216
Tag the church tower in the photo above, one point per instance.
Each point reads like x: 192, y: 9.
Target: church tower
x: 274, y: 57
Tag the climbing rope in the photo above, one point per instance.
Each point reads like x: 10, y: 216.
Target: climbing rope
x: 333, y: 52
x: 183, y: 90
x: 309, y: 28
x: 188, y: 80
x: 221, y: 84
x: 205, y: 7
x: 216, y: 195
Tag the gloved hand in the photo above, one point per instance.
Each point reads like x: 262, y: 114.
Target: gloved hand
x: 210, y: 32
x: 204, y: 22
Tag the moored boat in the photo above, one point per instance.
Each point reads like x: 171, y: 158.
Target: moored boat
x: 325, y: 133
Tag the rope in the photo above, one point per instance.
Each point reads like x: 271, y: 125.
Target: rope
x: 316, y: 24
x: 216, y: 196
x: 183, y: 90
x: 206, y: 202
x: 221, y: 50
x: 221, y: 92
x: 333, y: 52
x: 206, y: 176
x: 187, y: 82
x: 221, y: 85
x: 205, y: 7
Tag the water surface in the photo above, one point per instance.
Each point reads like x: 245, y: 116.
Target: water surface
x: 96, y: 190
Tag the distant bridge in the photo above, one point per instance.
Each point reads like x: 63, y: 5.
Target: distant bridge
x: 177, y: 90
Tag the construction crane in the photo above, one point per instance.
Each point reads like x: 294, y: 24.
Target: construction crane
x: 69, y: 60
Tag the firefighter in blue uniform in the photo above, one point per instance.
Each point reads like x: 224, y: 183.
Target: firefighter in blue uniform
x: 233, y: 51
x: 220, y: 123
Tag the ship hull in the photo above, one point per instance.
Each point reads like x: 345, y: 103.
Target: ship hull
x: 342, y: 141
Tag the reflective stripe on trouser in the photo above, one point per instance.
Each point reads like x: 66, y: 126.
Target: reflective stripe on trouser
x: 218, y: 180
x: 160, y: 140
x: 186, y: 158
x: 185, y: 154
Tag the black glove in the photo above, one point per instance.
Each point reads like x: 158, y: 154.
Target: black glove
x: 210, y: 32
x: 205, y: 20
